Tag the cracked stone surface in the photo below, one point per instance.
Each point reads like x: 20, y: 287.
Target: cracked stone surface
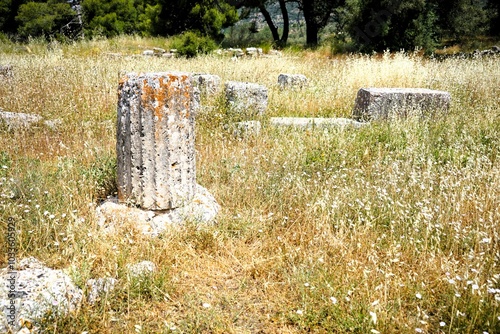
x: 38, y: 290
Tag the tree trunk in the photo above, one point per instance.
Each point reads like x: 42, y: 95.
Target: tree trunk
x: 312, y: 31
x: 270, y: 23
x: 312, y: 27
x: 286, y: 23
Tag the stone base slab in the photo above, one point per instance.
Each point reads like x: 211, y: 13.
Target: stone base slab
x: 203, y: 208
x: 314, y: 122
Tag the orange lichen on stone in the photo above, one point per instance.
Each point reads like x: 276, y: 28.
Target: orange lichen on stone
x: 174, y: 89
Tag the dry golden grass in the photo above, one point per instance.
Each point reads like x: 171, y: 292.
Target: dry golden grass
x: 392, y: 228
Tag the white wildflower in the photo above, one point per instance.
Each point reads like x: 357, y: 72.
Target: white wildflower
x: 373, y: 315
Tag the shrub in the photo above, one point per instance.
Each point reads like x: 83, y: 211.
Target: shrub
x: 191, y: 43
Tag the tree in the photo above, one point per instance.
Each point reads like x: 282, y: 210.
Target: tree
x: 207, y: 17
x: 8, y: 13
x: 43, y: 18
x: 461, y: 20
x: 494, y: 10
x: 317, y: 13
x: 261, y: 5
x: 380, y: 25
x: 111, y: 18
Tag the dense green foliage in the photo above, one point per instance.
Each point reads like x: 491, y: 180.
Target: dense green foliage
x: 43, y: 18
x: 361, y: 25
x: 381, y: 24
x: 387, y: 24
x: 207, y: 17
x: 191, y: 43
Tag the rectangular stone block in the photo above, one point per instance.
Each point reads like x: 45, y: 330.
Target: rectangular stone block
x: 208, y: 84
x: 315, y: 122
x: 247, y: 98
x: 292, y: 81
x: 155, y: 140
x: 387, y: 103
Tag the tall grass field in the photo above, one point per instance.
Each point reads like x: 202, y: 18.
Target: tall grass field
x: 390, y: 228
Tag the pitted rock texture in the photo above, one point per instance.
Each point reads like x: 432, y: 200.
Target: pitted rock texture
x: 208, y: 84
x: 246, y: 98
x: 98, y: 287
x: 155, y: 140
x: 390, y: 103
x: 140, y: 269
x: 17, y: 119
x: 203, y: 208
x: 38, y: 290
x: 294, y: 81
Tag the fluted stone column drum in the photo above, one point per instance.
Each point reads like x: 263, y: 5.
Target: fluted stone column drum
x: 155, y: 140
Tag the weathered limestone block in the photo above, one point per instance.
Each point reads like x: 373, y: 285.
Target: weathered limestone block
x: 98, y: 287
x: 248, y: 98
x: 143, y: 268
x: 254, y: 52
x: 208, y: 84
x: 292, y: 81
x: 314, y: 122
x: 18, y: 120
x: 202, y: 210
x: 155, y: 140
x: 37, y: 291
x: 387, y: 103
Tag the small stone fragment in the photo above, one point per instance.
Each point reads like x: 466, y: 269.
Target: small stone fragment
x: 99, y: 286
x: 142, y: 268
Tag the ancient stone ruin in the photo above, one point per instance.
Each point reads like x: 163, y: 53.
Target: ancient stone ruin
x: 388, y: 103
x: 156, y: 167
x: 315, y: 122
x: 296, y: 81
x: 208, y: 84
x: 155, y: 140
x: 38, y: 290
x: 246, y: 98
x: 18, y: 120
